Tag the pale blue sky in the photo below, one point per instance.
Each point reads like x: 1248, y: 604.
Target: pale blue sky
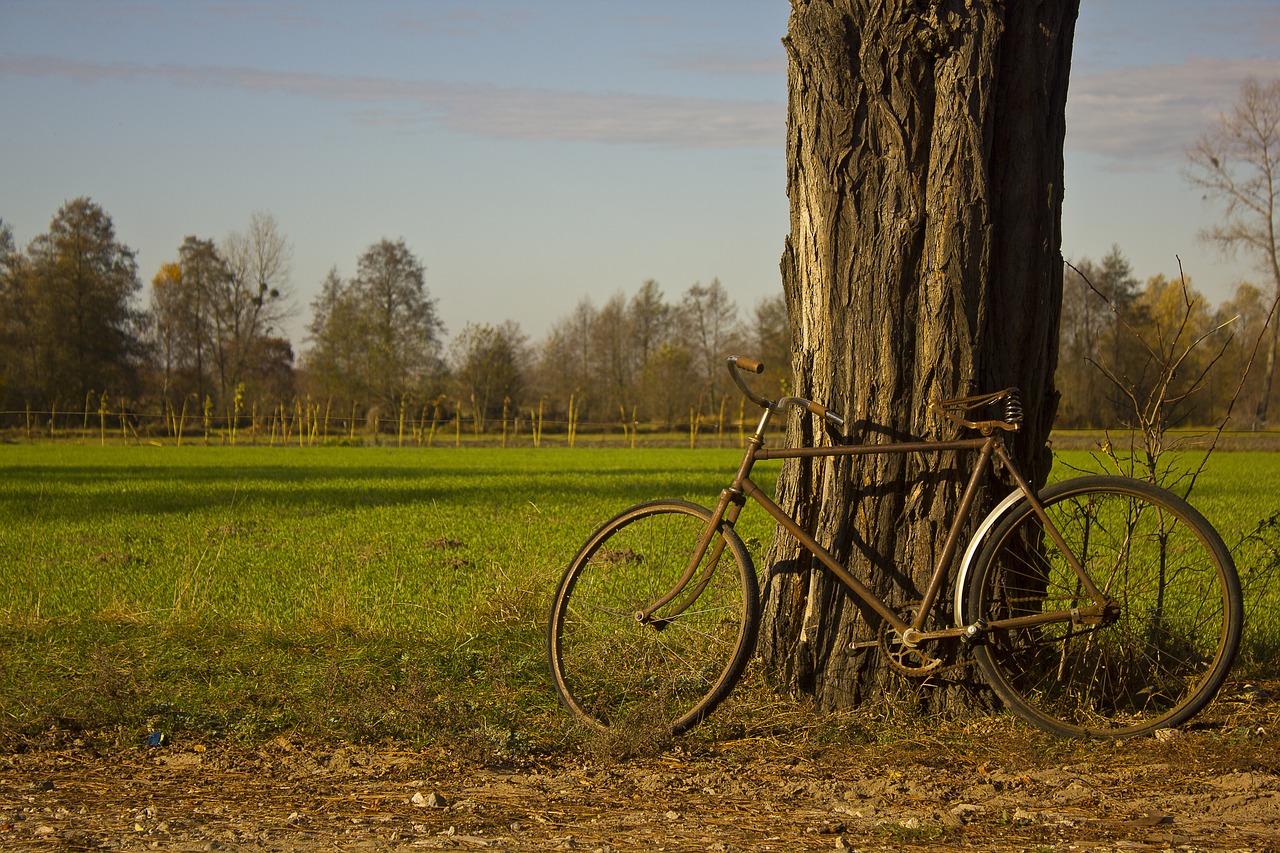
x: 535, y: 152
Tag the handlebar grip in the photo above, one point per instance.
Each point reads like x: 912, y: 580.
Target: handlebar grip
x: 825, y: 413
x: 747, y: 365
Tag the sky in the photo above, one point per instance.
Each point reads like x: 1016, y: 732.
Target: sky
x: 534, y: 153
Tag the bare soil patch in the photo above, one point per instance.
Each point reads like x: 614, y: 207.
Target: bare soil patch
x: 990, y: 785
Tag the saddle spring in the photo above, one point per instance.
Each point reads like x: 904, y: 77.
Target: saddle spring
x: 1013, y: 407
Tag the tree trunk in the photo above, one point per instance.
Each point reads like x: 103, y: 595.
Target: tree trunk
x: 924, y: 167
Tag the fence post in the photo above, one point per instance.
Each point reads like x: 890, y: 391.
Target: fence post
x: 182, y: 422
x: 572, y: 435
x: 435, y: 419
x: 102, y: 419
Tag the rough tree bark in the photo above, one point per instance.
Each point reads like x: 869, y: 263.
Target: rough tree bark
x: 925, y: 170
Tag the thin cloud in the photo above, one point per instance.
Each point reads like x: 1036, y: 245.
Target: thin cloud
x: 1146, y: 116
x: 773, y: 65
x: 1137, y: 117
x: 291, y: 16
x: 475, y: 109
x: 1255, y: 28
x: 456, y: 21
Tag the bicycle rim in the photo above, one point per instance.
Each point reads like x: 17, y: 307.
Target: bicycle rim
x: 613, y: 671
x: 1168, y: 648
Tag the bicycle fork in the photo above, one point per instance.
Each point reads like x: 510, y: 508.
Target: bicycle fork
x: 727, y: 511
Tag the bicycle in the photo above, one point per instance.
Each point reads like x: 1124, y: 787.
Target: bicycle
x: 1101, y: 606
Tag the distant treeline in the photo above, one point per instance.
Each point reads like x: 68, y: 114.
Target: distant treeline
x: 201, y: 352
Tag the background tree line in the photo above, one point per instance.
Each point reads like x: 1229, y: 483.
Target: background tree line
x: 1117, y: 334
x: 77, y: 337
x: 74, y: 328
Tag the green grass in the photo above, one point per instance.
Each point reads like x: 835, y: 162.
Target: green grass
x: 361, y: 593
x: 357, y: 591
x: 1235, y: 487
x: 384, y: 540
x: 1238, y: 494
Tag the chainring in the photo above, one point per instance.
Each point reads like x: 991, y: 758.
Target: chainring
x: 914, y: 661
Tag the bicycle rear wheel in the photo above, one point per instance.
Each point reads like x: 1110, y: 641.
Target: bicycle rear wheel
x: 1157, y: 660
x: 611, y: 669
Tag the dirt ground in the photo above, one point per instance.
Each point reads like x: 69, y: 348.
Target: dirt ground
x: 991, y: 785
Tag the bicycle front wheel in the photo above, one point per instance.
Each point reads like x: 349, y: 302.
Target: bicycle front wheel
x: 1156, y: 659
x: 612, y: 669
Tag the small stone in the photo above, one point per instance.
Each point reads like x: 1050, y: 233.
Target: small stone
x: 432, y: 800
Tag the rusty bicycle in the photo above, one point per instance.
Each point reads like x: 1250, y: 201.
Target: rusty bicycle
x: 1099, y: 606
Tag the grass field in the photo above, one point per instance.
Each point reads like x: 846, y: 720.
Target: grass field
x: 364, y: 593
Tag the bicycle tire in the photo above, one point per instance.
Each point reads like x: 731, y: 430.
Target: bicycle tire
x: 610, y: 669
x: 1169, y: 648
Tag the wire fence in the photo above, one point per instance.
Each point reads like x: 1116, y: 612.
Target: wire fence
x: 303, y: 422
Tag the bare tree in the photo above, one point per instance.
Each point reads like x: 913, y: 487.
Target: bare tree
x: 254, y: 301
x: 202, y: 274
x: 614, y: 356
x: 649, y: 319
x: 1237, y: 164
x: 770, y: 338
x: 709, y: 325
x: 489, y: 367
x: 1097, y: 299
x: 566, y: 363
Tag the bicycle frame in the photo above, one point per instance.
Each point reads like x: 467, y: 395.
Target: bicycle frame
x: 733, y: 499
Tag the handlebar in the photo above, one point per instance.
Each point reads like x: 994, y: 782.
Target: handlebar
x: 737, y: 363
x: 751, y: 365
